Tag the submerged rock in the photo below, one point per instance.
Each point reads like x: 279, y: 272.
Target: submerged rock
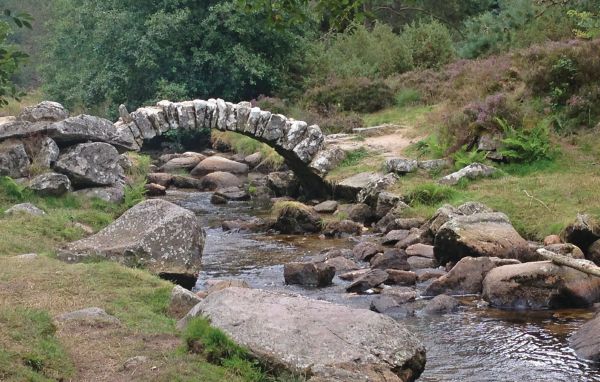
x: 369, y: 280
x: 466, y: 277
x: 309, y: 274
x: 586, y: 340
x: 155, y: 234
x: 313, y: 337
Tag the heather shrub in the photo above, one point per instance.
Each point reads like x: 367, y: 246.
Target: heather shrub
x: 335, y: 122
x: 375, y: 53
x: 350, y: 94
x: 483, y: 115
x: 430, y: 44
x: 273, y: 104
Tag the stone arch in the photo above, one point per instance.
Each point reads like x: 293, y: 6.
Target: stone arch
x: 302, y: 146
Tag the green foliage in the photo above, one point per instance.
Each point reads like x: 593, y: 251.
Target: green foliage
x: 429, y: 43
x: 354, y: 157
x: 14, y: 191
x: 408, y: 97
x: 219, y: 349
x: 361, y: 52
x: 29, y: 349
x: 526, y: 145
x: 351, y: 94
x: 429, y: 194
x: 588, y: 23
x: 430, y: 147
x: 465, y: 157
x: 101, y: 54
x: 11, y: 57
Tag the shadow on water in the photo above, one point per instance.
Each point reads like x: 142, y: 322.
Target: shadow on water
x: 476, y: 344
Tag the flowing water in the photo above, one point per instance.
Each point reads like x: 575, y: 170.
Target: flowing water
x: 476, y: 344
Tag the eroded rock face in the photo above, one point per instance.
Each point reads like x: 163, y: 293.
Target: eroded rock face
x: 14, y: 161
x: 539, y: 285
x: 583, y: 232
x: 91, y: 165
x: 480, y: 234
x: 46, y: 111
x: 312, y: 337
x: 155, y: 234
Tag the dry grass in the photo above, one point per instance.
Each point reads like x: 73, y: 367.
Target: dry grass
x: 14, y: 107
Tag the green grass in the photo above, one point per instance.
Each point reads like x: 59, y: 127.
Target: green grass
x: 407, y: 115
x: 356, y: 161
x: 29, y: 350
x: 242, y: 144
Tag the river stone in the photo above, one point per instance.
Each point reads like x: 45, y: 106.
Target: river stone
x: 217, y: 285
x: 311, y: 337
x: 361, y: 213
x: 583, y: 232
x: 390, y: 259
x: 14, y: 161
x: 232, y: 194
x: 155, y: 234
x: 540, y: 285
x: 182, y: 163
x: 394, y: 236
x: 349, y: 188
x: 253, y: 225
x: 342, y: 264
x: 253, y: 160
x: 217, y: 163
x: 24, y: 208
x: 466, y: 277
x: 365, y: 250
x: 220, y: 180
x: 45, y: 111
x: 309, y: 274
x: 472, y: 171
x: 422, y: 250
x: 586, y: 340
x: 161, y: 178
x: 90, y: 165
x: 441, y: 304
x: 182, y: 181
x: 115, y: 194
x: 153, y: 189
x: 283, y: 183
x: 401, y: 277
x: 368, y: 281
x: 594, y: 252
x: 326, y: 207
x: 296, y: 218
x: 418, y: 262
x: 386, y: 201
x: 181, y: 301
x: 343, y: 228
x: 480, y: 234
x: 50, y: 184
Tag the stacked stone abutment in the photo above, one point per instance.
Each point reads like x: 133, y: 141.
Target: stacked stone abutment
x: 302, y: 146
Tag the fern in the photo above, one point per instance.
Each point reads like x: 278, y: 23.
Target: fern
x: 526, y: 145
x: 463, y: 157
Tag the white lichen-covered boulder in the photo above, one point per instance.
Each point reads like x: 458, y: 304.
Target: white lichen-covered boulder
x: 324, y: 341
x: 155, y: 234
x: 91, y: 165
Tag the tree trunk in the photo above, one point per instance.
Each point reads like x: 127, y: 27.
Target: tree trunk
x: 581, y: 265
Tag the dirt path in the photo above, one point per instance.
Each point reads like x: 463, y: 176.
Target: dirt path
x: 389, y: 141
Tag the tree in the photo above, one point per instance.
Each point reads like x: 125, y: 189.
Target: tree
x: 10, y: 56
x: 101, y: 54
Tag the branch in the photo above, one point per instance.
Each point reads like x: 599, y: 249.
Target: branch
x: 422, y: 10
x: 537, y: 200
x: 585, y: 266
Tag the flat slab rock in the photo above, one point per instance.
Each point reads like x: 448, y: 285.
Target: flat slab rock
x: 324, y: 341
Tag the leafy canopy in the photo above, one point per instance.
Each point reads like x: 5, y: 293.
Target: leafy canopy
x: 11, y: 57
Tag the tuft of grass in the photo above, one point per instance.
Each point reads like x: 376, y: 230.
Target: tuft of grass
x: 286, y: 206
x: 430, y: 194
x: 242, y: 144
x: 406, y: 115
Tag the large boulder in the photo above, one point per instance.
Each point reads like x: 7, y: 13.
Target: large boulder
x: 342, y: 228
x: 540, y: 285
x: 583, y: 232
x: 401, y: 166
x: 297, y: 218
x: 219, y: 179
x: 87, y: 128
x: 50, y: 184
x: 327, y: 207
x: 309, y: 274
x: 90, y: 165
x: 466, y: 277
x: 186, y: 162
x: 349, y: 188
x: 217, y: 163
x: 14, y: 161
x: 586, y: 340
x: 111, y: 194
x: 480, y: 234
x: 43, y: 151
x: 325, y: 341
x: 594, y: 252
x: 155, y: 234
x: 45, y: 111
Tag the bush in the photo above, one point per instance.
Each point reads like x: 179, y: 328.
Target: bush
x: 429, y: 194
x: 407, y: 97
x: 361, y: 52
x: 430, y: 44
x: 350, y: 94
x: 526, y: 145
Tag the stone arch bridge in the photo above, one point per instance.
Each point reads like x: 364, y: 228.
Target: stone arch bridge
x: 302, y: 147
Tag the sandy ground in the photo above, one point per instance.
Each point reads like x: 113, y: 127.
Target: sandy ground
x: 388, y: 142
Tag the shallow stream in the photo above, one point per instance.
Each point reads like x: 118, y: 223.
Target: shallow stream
x: 476, y: 344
